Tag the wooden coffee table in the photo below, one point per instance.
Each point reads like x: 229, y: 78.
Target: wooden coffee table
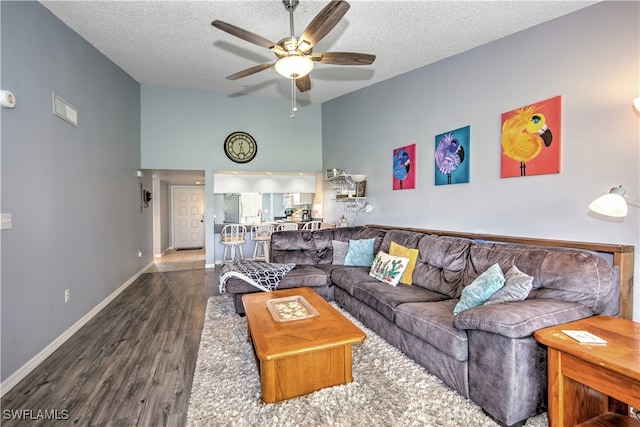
x: 587, y: 381
x: 297, y: 357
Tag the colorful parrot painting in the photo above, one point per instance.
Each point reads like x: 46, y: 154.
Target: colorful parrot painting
x: 404, y: 168
x: 527, y: 132
x: 450, y: 156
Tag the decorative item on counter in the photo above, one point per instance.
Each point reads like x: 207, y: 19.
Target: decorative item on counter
x: 342, y: 222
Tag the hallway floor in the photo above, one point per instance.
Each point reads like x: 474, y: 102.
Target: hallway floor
x: 176, y: 260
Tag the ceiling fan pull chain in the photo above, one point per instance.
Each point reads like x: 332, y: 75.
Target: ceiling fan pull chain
x: 293, y: 99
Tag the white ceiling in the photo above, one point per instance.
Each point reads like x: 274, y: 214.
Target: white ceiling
x: 172, y: 43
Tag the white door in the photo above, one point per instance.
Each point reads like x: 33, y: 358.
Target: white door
x: 188, y: 217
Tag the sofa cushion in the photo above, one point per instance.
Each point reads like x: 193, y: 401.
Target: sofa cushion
x: 558, y: 273
x: 384, y: 299
x: 388, y: 268
x: 433, y: 322
x: 301, y: 275
x: 323, y: 241
x: 347, y: 277
x: 441, y: 264
x: 360, y: 252
x: 521, y: 318
x: 517, y: 286
x: 372, y: 233
x: 412, y: 254
x: 481, y: 289
x: 408, y: 239
x: 296, y: 246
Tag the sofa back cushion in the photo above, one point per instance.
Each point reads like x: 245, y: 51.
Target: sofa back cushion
x: 304, y: 247
x: 408, y: 239
x: 369, y: 233
x: 441, y: 264
x: 558, y: 273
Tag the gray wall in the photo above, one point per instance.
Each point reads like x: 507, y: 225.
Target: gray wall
x: 73, y: 192
x: 590, y: 58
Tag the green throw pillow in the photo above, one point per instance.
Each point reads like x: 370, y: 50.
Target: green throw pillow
x: 480, y: 289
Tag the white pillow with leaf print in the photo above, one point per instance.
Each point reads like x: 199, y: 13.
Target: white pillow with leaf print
x: 388, y: 268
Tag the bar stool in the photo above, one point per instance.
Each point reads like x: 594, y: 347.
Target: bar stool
x: 312, y: 225
x: 261, y: 234
x: 232, y: 238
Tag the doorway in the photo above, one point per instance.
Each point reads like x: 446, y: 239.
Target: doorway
x: 187, y: 208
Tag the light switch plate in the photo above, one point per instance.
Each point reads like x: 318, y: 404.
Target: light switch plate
x: 5, y: 221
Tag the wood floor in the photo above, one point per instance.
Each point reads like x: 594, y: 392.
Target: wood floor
x: 130, y: 365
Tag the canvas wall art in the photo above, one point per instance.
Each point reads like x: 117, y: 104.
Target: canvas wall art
x: 531, y: 139
x: 404, y: 167
x: 452, y: 156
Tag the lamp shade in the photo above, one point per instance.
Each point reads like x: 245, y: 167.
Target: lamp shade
x: 294, y: 66
x: 611, y: 204
x: 368, y: 207
x: 636, y: 104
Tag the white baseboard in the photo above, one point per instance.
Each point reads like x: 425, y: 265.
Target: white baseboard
x: 36, y: 360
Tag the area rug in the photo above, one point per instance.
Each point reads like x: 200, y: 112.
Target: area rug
x: 388, y: 389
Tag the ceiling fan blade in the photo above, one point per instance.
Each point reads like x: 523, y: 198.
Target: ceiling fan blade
x: 244, y: 34
x: 249, y: 71
x: 322, y: 23
x: 343, y: 58
x: 303, y: 83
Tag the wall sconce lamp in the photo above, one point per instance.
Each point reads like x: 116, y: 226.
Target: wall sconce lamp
x: 612, y: 204
x: 367, y: 208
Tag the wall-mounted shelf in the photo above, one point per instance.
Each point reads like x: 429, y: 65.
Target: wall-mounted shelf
x: 341, y: 182
x: 351, y: 204
x: 344, y: 184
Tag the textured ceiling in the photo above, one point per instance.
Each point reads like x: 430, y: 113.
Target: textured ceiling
x: 172, y: 43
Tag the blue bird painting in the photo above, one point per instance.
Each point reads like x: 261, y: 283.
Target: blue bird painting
x: 403, y: 172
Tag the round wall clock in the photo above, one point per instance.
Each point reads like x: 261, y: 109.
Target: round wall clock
x: 240, y: 147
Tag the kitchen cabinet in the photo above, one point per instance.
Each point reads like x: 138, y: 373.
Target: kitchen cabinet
x: 292, y: 200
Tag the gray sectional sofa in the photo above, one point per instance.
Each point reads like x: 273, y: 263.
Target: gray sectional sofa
x: 486, y: 353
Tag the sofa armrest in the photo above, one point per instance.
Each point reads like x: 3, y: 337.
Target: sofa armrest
x: 520, y: 319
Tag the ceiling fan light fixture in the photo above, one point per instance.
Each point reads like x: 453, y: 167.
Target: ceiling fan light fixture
x: 294, y: 66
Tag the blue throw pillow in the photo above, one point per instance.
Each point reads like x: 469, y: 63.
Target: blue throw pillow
x: 479, y: 291
x: 360, y: 253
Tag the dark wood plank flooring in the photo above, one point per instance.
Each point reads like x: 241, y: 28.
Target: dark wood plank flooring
x: 130, y: 365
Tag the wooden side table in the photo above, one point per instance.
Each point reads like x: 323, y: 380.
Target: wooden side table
x: 589, y: 380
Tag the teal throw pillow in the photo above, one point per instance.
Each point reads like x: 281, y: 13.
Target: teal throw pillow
x: 479, y: 291
x: 360, y: 253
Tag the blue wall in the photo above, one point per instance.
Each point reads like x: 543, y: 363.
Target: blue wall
x: 186, y: 129
x: 72, y: 192
x: 590, y: 58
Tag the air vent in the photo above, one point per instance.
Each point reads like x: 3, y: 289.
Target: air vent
x: 64, y: 110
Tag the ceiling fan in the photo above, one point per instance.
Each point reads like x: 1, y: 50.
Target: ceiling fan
x: 295, y: 56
